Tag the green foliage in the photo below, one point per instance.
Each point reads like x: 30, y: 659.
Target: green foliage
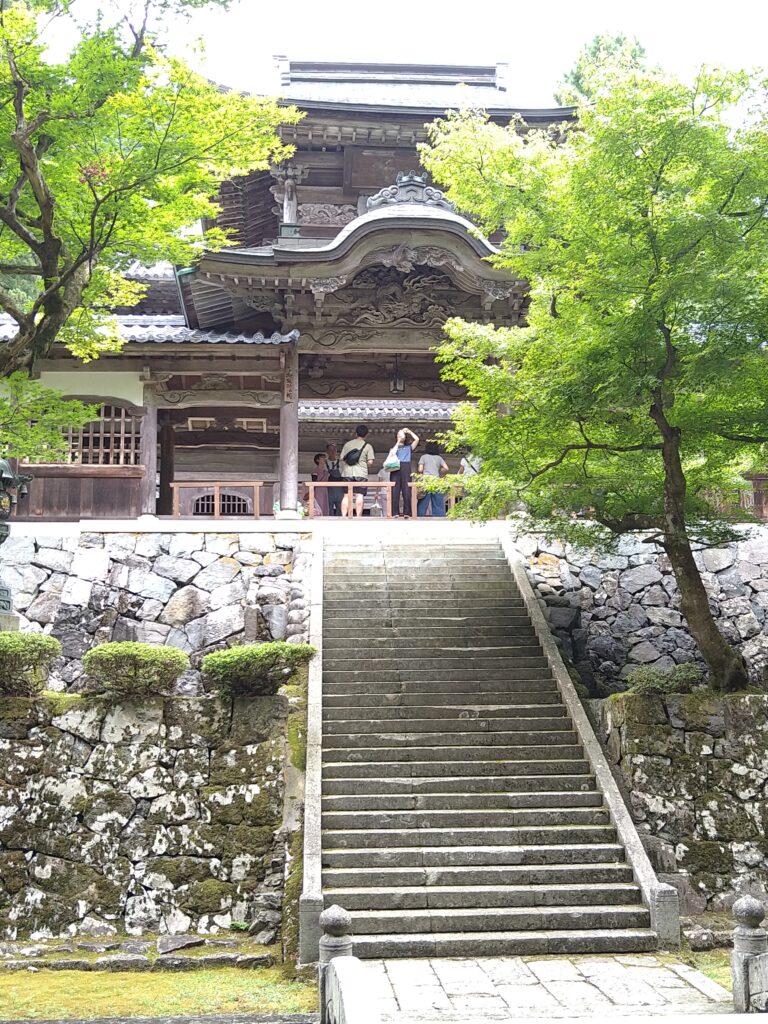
x: 108, y: 157
x: 606, y: 54
x: 127, y: 669
x: 254, y: 670
x: 25, y: 659
x: 33, y: 418
x: 636, y: 398
x: 646, y: 680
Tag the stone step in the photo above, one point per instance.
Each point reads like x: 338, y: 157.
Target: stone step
x: 386, y: 583
x: 449, y: 681
x: 482, y: 800
x: 503, y: 875
x: 445, y: 725
x: 552, y: 750
x: 479, y: 786
x: 408, y: 589
x: 486, y: 817
x: 442, y: 602
x: 447, y: 711
x: 421, y: 623
x: 497, y: 919
x: 477, y: 741
x: 493, y: 897
x: 562, y: 942
x: 493, y: 856
x: 388, y: 631
x: 504, y: 835
x: 510, y: 657
x: 349, y: 696
x: 528, y: 764
x: 427, y: 645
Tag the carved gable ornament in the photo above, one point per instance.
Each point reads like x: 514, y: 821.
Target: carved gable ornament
x: 410, y: 188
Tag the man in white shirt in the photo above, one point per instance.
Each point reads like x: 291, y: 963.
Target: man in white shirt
x: 356, y: 459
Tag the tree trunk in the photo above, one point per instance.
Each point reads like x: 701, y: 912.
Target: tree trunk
x: 727, y: 668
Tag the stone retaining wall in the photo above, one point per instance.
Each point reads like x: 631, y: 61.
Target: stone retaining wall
x: 696, y: 768
x: 612, y: 613
x: 153, y: 816
x: 195, y: 591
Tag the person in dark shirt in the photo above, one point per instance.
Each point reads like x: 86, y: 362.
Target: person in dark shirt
x: 405, y: 442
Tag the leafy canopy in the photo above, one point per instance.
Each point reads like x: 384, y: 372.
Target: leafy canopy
x: 606, y: 54
x: 108, y: 157
x: 33, y: 419
x: 642, y: 230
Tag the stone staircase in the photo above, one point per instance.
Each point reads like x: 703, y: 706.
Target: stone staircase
x: 459, y: 814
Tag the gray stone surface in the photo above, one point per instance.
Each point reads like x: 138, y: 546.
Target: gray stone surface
x: 472, y: 991
x: 190, y: 591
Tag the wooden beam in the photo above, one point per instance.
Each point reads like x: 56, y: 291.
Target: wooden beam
x: 253, y: 400
x: 289, y: 433
x: 148, y: 454
x: 167, y: 441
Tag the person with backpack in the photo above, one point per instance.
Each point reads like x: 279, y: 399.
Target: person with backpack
x: 335, y: 494
x: 357, y: 456
x: 398, y: 463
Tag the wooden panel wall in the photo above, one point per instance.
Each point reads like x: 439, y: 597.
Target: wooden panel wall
x: 82, y: 492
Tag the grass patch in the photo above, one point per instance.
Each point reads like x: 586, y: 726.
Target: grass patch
x: 67, y: 994
x: 715, y: 963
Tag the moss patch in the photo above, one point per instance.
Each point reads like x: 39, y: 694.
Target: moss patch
x: 72, y: 994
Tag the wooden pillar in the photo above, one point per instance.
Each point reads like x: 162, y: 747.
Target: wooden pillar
x: 148, y: 454
x: 167, y: 438
x: 289, y: 434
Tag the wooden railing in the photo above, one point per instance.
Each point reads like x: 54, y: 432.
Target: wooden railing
x: 385, y: 487
x: 216, y: 491
x: 219, y: 494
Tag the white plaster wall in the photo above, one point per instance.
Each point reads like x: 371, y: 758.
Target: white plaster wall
x: 127, y: 385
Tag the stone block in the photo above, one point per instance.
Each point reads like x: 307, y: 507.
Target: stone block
x: 90, y: 564
x: 640, y: 577
x: 699, y: 712
x: 218, y: 574
x: 186, y: 605
x: 182, y: 570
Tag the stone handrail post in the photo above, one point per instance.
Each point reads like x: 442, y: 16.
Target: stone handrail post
x: 335, y: 941
x: 749, y: 941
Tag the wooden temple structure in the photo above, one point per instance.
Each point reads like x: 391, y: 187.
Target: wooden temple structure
x: 345, y: 265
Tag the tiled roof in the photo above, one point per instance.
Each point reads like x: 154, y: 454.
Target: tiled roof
x: 140, y: 330
x: 187, y: 336
x: 376, y: 409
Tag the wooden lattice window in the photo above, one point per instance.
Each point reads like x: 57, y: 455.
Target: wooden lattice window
x: 229, y: 505
x: 114, y: 439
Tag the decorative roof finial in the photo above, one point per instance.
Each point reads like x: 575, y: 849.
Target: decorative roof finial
x: 411, y: 187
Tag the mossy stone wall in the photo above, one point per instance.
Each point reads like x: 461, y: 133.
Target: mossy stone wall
x: 696, y: 769
x: 159, y: 815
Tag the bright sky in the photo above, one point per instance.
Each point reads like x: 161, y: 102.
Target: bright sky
x: 538, y: 40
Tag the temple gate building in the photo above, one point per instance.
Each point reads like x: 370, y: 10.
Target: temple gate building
x: 345, y: 265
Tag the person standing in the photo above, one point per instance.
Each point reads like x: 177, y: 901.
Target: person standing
x: 320, y: 476
x: 357, y: 457
x: 402, y: 451
x: 432, y: 463
x: 335, y: 494
x: 470, y: 464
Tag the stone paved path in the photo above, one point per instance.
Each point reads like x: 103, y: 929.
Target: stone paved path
x: 475, y: 991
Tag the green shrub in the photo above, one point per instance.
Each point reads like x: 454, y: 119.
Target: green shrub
x: 680, y: 679
x: 25, y: 659
x: 131, y: 669
x: 254, y: 670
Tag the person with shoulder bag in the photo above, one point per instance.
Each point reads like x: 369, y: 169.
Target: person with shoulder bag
x: 335, y: 494
x: 398, y: 462
x: 357, y: 457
